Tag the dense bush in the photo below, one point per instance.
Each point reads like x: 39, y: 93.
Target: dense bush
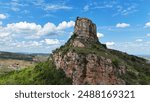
x: 46, y: 73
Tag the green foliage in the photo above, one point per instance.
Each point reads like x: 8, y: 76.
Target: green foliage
x: 44, y: 73
x: 48, y: 74
x: 132, y: 78
x: 137, y: 74
x: 115, y: 63
x: 24, y: 76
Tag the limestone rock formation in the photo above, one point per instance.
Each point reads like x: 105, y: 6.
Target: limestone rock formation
x: 84, y: 59
x: 85, y: 31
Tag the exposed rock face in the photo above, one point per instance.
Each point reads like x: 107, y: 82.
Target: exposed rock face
x: 85, y: 31
x: 86, y: 68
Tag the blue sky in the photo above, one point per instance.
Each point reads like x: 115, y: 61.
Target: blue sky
x: 40, y: 26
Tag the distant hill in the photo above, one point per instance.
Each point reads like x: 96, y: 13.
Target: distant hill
x: 16, y: 61
x: 20, y: 56
x: 145, y: 56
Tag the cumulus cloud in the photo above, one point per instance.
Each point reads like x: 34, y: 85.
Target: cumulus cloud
x: 139, y: 40
x: 21, y: 29
x: 24, y: 26
x: 100, y: 35
x: 65, y: 25
x: 51, y: 41
x: 110, y: 43
x: 147, y: 24
x: 50, y: 28
x: 122, y: 25
x: 33, y: 30
x: 22, y: 36
x: 2, y: 16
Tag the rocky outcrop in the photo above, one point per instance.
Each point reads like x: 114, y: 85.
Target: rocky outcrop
x: 86, y: 68
x: 84, y: 59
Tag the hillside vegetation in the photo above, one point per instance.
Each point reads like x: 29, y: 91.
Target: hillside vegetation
x: 43, y: 73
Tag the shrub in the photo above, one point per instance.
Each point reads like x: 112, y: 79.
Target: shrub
x: 115, y: 63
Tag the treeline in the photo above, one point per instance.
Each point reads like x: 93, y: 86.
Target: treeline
x: 17, y: 56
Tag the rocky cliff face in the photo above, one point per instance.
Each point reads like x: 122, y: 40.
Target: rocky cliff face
x: 88, y: 69
x: 84, y: 59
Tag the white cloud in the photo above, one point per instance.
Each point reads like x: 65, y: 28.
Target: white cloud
x: 13, y: 5
x: 25, y: 44
x: 33, y: 30
x: 4, y: 34
x: 2, y: 16
x: 139, y: 40
x: 65, y: 25
x: 24, y: 26
x: 100, y: 35
x: 35, y: 43
x: 57, y: 7
x: 122, y: 25
x: 22, y: 36
x: 110, y: 43
x: 86, y: 8
x: 125, y: 10
x: 148, y: 35
x: 133, y: 47
x: 51, y: 41
x: 48, y: 28
x: 147, y: 24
